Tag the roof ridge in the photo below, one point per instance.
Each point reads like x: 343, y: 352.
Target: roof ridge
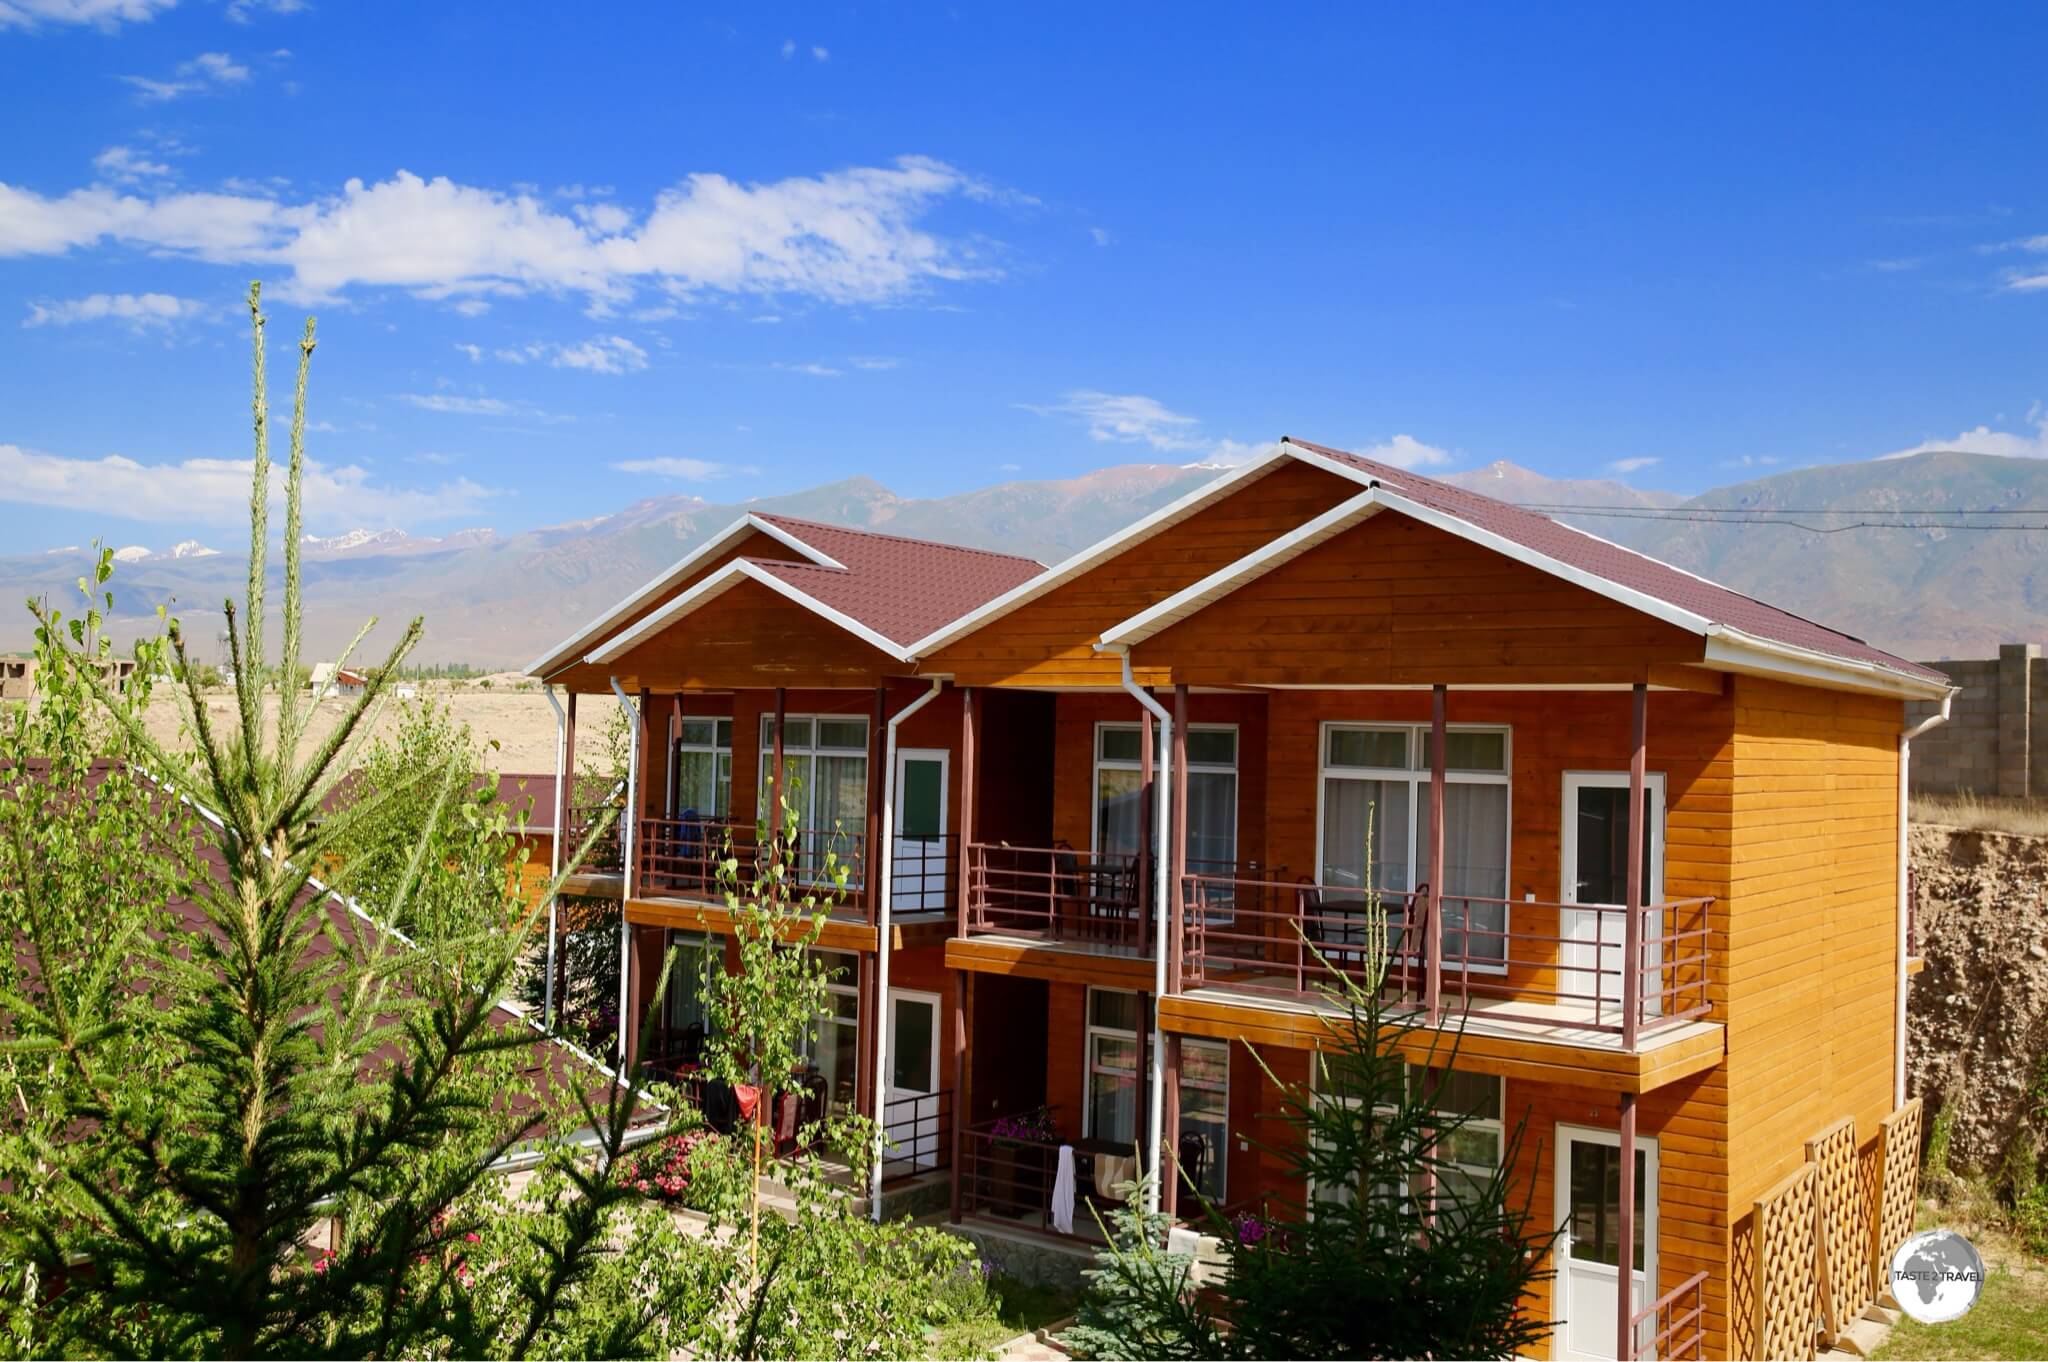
x: 898, y: 538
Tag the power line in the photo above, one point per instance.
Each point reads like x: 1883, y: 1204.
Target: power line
x: 1738, y: 516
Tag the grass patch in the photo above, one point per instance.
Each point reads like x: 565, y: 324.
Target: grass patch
x: 2010, y: 1318
x: 1018, y: 1308
x: 1983, y: 813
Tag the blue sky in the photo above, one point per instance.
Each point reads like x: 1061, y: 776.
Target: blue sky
x: 563, y: 260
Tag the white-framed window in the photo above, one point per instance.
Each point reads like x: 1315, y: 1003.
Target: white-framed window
x: 1205, y: 1111
x: 1110, y: 1108
x: 834, y: 1048
x: 1466, y: 1157
x: 1377, y: 775
x: 701, y: 781
x: 1212, y: 793
x: 689, y: 991
x: 825, y: 768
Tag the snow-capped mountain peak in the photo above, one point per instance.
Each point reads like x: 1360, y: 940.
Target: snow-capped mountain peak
x: 191, y: 548
x: 134, y: 553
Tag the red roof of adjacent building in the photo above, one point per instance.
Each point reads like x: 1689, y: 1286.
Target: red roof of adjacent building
x: 900, y: 588
x: 1624, y: 567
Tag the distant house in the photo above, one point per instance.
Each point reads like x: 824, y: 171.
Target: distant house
x: 329, y: 679
x: 17, y: 678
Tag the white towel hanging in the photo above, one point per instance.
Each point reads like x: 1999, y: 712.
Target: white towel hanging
x: 1063, y: 1192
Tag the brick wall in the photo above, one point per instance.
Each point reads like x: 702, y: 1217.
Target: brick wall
x: 1987, y: 747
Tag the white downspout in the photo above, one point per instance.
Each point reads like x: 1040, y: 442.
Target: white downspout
x: 562, y: 796
x: 1162, y: 916
x: 887, y: 887
x: 1906, y: 737
x: 631, y: 821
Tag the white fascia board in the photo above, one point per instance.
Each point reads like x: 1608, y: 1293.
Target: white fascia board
x: 716, y: 585
x: 1731, y: 650
x: 1102, y: 551
x: 1253, y: 565
x: 565, y: 653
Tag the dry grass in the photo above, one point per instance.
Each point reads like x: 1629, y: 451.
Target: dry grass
x: 1983, y: 813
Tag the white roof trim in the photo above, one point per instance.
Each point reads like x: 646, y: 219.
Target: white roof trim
x: 1102, y: 551
x: 1731, y: 650
x: 565, y: 653
x: 716, y: 585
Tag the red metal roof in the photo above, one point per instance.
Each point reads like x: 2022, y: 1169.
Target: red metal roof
x: 901, y: 588
x: 1624, y: 567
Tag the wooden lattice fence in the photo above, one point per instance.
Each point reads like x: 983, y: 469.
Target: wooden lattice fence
x: 1787, y: 1263
x: 1898, y: 1188
x: 1843, y: 1228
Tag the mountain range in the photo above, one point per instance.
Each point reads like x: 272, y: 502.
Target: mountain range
x: 497, y: 600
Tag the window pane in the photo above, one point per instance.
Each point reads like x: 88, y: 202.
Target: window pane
x: 1119, y: 743
x: 841, y: 800
x: 725, y: 733
x: 1212, y: 822
x: 1113, y: 1010
x: 1465, y: 750
x: 1475, y: 863
x: 1384, y: 747
x: 1474, y: 1146
x: 696, y: 732
x: 1115, y: 1055
x: 1212, y: 746
x: 1119, y: 812
x: 1347, y: 806
x: 1204, y: 1066
x: 1113, y: 1107
x: 910, y: 1049
x: 839, y: 967
x: 850, y: 734
x: 1464, y: 1094
x: 922, y: 812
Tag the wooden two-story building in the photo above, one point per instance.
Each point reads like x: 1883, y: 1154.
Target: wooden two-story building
x: 1104, y: 816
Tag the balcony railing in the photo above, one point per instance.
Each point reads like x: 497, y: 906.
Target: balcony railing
x: 924, y: 873
x: 1508, y: 960
x: 1054, y: 893
x: 919, y: 1131
x: 1673, y: 1327
x: 1011, y: 1179
x: 604, y: 857
x: 682, y: 857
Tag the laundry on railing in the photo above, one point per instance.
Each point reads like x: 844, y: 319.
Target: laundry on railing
x: 1063, y: 1192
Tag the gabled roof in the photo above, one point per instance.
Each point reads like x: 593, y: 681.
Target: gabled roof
x: 885, y: 589
x: 1742, y: 633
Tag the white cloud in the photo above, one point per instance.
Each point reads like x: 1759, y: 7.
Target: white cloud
x: 1405, y: 451
x: 124, y: 165
x: 460, y: 406
x: 244, y: 11
x: 1985, y: 440
x: 603, y: 354
x: 1101, y: 236
x: 820, y: 53
x: 107, y: 14
x: 1232, y: 453
x: 684, y: 470
x: 1624, y: 467
x: 849, y: 236
x: 1752, y: 461
x: 874, y: 363
x: 1127, y: 418
x: 813, y: 368
x: 788, y: 48
x: 205, y: 71
x: 475, y: 352
x: 216, y: 491
x: 137, y: 310
x: 2019, y: 281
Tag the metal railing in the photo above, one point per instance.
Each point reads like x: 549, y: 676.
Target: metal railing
x: 1677, y: 1324
x: 923, y: 874
x: 1515, y: 960
x: 1056, y: 893
x: 604, y: 857
x: 918, y: 1134
x: 683, y: 857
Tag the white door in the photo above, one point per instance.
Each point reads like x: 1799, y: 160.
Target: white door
x: 912, y: 1117
x: 1595, y: 871
x: 918, y: 883
x: 1589, y: 1245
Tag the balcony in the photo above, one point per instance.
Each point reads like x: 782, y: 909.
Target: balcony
x: 1056, y: 895
x: 683, y: 858
x: 1556, y: 971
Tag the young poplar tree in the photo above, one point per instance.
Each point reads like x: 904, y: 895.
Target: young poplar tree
x: 203, y: 1094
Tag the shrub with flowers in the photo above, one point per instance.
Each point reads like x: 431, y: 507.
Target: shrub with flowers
x: 1033, y: 1127
x: 662, y: 1170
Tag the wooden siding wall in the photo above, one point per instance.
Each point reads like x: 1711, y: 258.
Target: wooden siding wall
x: 1050, y: 640
x: 1814, y: 947
x: 1395, y: 602
x: 752, y: 636
x: 593, y: 680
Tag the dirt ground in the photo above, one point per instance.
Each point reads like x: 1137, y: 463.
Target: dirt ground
x: 518, y: 721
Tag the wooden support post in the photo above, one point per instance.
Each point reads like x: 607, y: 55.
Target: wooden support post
x: 866, y: 1018
x: 565, y: 834
x: 636, y: 999
x: 1169, y: 1161
x: 1624, y: 1291
x: 640, y: 803
x: 1177, y: 871
x: 669, y: 762
x: 1147, y: 777
x: 968, y: 786
x: 1146, y: 1021
x: 1433, y: 929
x: 775, y: 769
x: 1632, y: 922
x: 871, y: 857
x: 962, y: 1112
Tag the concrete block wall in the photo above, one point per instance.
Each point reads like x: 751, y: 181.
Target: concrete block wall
x: 1987, y: 747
